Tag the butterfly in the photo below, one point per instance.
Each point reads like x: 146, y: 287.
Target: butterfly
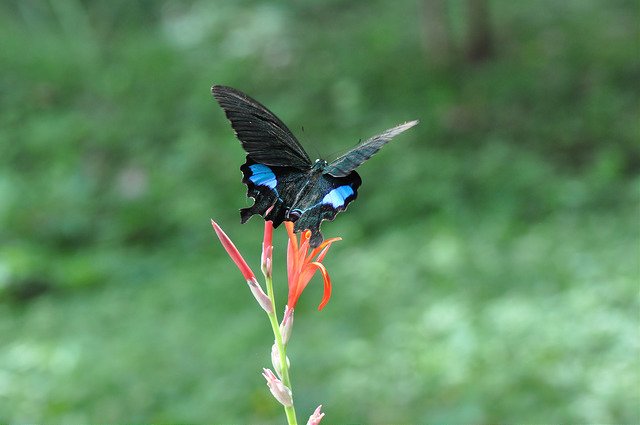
x: 279, y: 175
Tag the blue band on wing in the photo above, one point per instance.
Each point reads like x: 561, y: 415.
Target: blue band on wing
x: 261, y: 175
x: 337, y: 196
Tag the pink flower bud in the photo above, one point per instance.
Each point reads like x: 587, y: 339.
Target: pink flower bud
x: 286, y: 325
x: 267, y: 248
x: 316, y: 416
x: 280, y: 391
x: 275, y: 360
x: 266, y: 265
x: 260, y: 296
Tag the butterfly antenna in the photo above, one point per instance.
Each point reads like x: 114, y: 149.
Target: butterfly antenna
x: 315, y: 149
x: 317, y: 152
x: 342, y: 151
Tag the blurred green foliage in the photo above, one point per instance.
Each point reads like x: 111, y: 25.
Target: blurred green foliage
x: 489, y: 269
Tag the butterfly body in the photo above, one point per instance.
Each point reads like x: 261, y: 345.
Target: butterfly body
x: 279, y: 175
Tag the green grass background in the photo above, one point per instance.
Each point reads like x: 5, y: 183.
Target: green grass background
x: 489, y: 269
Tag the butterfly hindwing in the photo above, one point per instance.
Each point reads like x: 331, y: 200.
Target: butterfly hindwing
x: 263, y: 136
x: 274, y: 190
x: 323, y: 199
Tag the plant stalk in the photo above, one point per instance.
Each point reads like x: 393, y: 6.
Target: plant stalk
x: 290, y: 411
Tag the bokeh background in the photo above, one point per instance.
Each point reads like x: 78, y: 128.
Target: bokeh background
x: 489, y: 269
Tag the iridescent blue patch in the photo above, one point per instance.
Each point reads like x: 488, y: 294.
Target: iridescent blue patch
x: 261, y: 175
x: 337, y: 196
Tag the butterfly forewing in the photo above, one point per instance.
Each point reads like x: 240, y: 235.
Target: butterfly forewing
x: 263, y: 136
x: 356, y: 156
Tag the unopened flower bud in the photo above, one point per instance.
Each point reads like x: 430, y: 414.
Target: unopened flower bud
x: 281, y: 392
x: 260, y: 296
x: 267, y: 249
x: 275, y: 360
x: 267, y: 261
x: 286, y: 325
x: 316, y: 416
x: 233, y: 252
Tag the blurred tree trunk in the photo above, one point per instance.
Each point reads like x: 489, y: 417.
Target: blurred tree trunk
x: 439, y: 40
x: 436, y: 33
x: 479, y: 38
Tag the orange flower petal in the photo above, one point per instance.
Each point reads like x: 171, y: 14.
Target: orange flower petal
x: 292, y: 236
x: 300, y: 268
x: 293, y: 262
x: 305, y: 275
x: 292, y: 270
x: 322, y: 254
x: 304, y: 246
x: 321, y: 247
x: 327, y: 285
x: 292, y: 300
x: 297, y: 283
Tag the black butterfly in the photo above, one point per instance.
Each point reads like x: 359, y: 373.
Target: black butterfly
x: 279, y: 175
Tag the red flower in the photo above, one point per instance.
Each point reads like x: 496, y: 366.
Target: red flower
x: 301, y: 265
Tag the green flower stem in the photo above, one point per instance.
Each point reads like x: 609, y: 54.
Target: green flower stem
x: 282, y: 350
